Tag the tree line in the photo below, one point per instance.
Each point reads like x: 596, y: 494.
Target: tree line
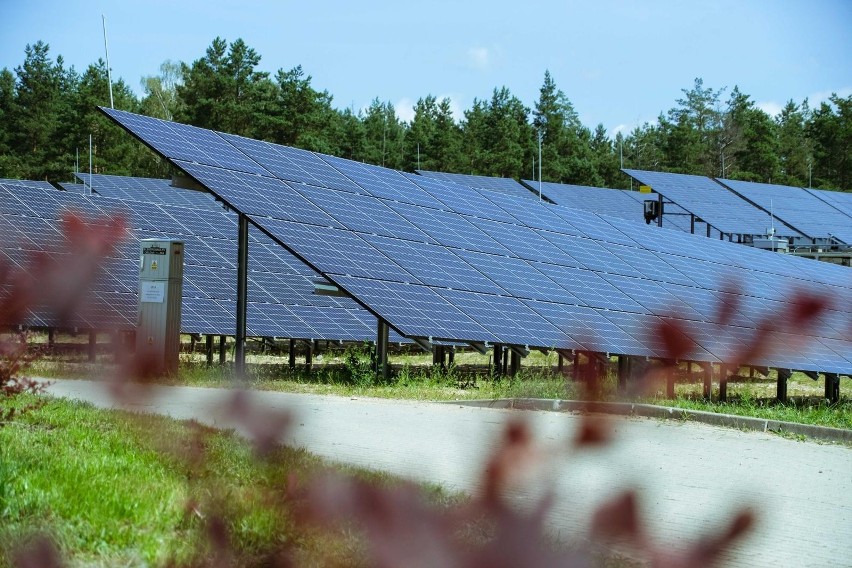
x: 47, y: 113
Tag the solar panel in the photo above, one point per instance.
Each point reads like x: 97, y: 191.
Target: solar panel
x: 141, y: 189
x: 614, y: 202
x: 796, y: 207
x: 27, y: 183
x: 463, y: 290
x: 502, y: 185
x: 840, y: 200
x: 711, y: 202
x: 281, y: 298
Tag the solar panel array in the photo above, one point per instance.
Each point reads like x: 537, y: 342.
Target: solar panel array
x: 26, y: 183
x: 840, y: 200
x: 143, y: 189
x: 615, y: 202
x: 280, y: 291
x: 712, y: 202
x: 796, y: 207
x: 439, y: 262
x: 503, y: 185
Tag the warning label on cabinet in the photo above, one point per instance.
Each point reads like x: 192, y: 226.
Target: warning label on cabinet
x: 153, y: 292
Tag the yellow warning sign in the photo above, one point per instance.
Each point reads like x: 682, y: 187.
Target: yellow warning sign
x: 153, y: 265
x: 644, y: 189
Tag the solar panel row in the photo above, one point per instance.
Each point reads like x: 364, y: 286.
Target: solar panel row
x: 797, y: 207
x: 712, y: 202
x: 142, y: 189
x: 281, y: 299
x: 503, y: 185
x: 617, y: 203
x: 483, y: 266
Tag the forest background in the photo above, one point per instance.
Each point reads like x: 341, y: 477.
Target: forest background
x: 48, y: 112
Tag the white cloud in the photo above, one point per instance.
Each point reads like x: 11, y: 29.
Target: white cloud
x: 617, y: 129
x: 479, y: 58
x: 773, y: 108
x: 455, y: 105
x: 404, y: 109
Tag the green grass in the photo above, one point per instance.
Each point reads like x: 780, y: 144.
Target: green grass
x: 111, y: 488
x: 348, y: 373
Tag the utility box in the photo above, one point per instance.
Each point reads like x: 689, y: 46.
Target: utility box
x: 160, y: 295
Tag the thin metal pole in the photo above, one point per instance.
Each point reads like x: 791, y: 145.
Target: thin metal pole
x: 539, y: 165
x: 109, y: 73
x: 90, y: 163
x: 242, y: 297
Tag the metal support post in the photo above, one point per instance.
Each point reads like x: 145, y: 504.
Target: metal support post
x: 832, y: 387
x: 515, y: 363
x: 208, y: 349
x: 451, y: 356
x: 222, y: 350
x: 51, y: 338
x: 292, y: 359
x: 560, y: 363
x: 309, y: 356
x: 93, y: 345
x: 382, y: 368
x: 242, y: 296
x: 692, y: 223
x: 723, y: 382
x: 708, y: 381
x: 781, y: 384
x: 623, y: 371
x: 660, y: 212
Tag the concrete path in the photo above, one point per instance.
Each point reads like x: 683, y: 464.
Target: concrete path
x: 690, y: 476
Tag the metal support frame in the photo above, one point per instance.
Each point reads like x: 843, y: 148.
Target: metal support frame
x: 708, y: 381
x: 624, y: 364
x: 382, y: 367
x: 660, y: 212
x: 723, y: 382
x: 93, y: 345
x: 292, y: 354
x: 309, y: 355
x: 242, y: 295
x: 222, y: 350
x: 51, y: 338
x: 514, y: 363
x: 497, y: 360
x: 692, y: 223
x: 832, y: 387
x: 208, y: 349
x: 781, y: 384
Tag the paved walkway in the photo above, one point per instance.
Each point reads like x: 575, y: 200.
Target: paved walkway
x: 690, y: 475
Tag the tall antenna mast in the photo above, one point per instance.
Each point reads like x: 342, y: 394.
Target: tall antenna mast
x: 109, y: 72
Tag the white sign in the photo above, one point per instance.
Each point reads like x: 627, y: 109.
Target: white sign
x: 153, y: 292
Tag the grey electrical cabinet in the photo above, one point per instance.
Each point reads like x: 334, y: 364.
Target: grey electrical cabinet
x: 160, y: 294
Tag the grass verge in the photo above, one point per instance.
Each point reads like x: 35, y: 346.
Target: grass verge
x: 113, y: 488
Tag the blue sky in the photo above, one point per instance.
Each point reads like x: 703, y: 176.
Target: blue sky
x: 620, y: 63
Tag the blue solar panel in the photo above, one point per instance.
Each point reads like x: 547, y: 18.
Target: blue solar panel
x: 27, y: 183
x: 140, y: 189
x: 840, y: 200
x: 281, y: 298
x: 796, y: 207
x: 498, y: 184
x: 711, y: 202
x: 458, y: 291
